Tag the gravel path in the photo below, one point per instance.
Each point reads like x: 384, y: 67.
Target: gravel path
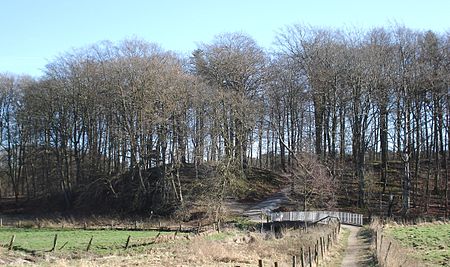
x: 357, y: 252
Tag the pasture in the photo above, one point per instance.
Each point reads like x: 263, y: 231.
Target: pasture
x: 103, y: 242
x: 429, y: 243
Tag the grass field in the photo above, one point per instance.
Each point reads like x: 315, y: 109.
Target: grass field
x: 103, y: 242
x: 430, y: 243
x: 233, y: 247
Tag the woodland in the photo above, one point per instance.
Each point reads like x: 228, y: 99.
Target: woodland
x: 356, y: 118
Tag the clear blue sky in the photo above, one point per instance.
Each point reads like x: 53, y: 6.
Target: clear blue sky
x: 33, y: 32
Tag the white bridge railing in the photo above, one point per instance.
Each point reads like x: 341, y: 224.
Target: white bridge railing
x: 314, y: 216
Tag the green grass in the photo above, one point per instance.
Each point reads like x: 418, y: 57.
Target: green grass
x: 432, y: 242
x: 104, y: 241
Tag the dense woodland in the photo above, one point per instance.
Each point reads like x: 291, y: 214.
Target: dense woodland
x: 112, y: 112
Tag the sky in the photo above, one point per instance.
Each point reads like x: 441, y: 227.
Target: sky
x: 35, y: 32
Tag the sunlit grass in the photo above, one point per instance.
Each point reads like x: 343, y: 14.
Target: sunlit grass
x: 432, y: 242
x: 104, y: 241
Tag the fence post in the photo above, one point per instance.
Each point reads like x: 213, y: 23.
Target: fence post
x: 322, y: 250
x: 11, y: 243
x: 55, y: 241
x: 294, y: 261
x: 387, y: 252
x: 381, y: 243
x: 275, y: 264
x: 90, y: 243
x: 302, y: 257
x: 376, y: 241
x: 128, y: 242
x: 260, y: 263
x: 328, y: 242
x: 310, y: 257
x: 318, y: 249
x: 316, y: 255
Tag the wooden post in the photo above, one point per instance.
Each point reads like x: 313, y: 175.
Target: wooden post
x: 55, y: 242
x: 85, y: 225
x: 260, y: 263
x: 310, y: 257
x: 376, y: 242
x: 318, y: 249
x: 135, y: 225
x: 322, y: 250
x: 128, y: 242
x: 302, y: 257
x: 381, y: 243
x: 1, y: 222
x: 275, y: 264
x: 11, y: 243
x: 316, y: 255
x: 294, y: 261
x: 90, y: 243
x: 387, y: 252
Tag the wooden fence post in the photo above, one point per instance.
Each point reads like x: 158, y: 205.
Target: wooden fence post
x: 128, y: 242
x: 376, y: 241
x: 316, y: 254
x: 294, y: 261
x: 318, y: 249
x: 90, y: 243
x: 381, y: 246
x: 55, y: 242
x: 321, y: 247
x: 387, y: 252
x: 11, y: 243
x: 310, y: 257
x: 260, y: 263
x: 275, y: 264
x: 302, y: 257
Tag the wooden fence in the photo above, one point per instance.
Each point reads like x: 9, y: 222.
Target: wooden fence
x: 314, y: 216
x: 313, y: 255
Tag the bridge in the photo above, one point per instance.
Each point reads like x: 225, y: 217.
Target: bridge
x: 315, y: 216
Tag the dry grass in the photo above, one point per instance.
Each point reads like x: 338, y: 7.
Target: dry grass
x: 336, y: 254
x: 230, y: 248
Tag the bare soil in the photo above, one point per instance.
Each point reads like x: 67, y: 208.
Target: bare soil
x: 358, y: 249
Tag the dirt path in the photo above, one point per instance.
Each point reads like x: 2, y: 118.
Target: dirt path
x: 253, y: 210
x: 273, y: 202
x: 357, y: 252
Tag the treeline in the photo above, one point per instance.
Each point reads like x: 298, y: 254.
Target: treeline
x: 348, y: 96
